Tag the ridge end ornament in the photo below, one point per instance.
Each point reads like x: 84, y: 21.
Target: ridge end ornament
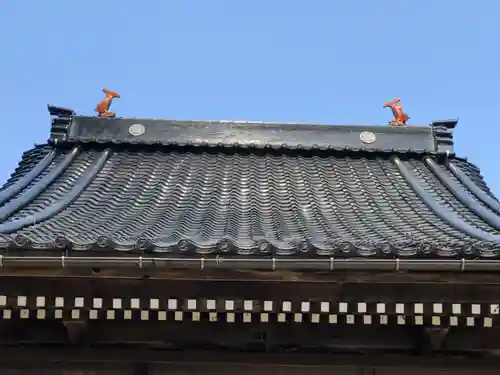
x: 103, y: 106
x: 400, y: 118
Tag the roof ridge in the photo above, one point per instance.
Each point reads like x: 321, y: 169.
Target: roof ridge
x: 257, y: 122
x: 69, y: 128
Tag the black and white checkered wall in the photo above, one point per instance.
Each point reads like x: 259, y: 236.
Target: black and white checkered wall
x: 247, y: 311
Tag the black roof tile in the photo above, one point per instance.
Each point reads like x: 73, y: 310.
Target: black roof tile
x: 402, y: 193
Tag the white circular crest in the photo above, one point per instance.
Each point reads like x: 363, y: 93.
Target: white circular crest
x: 137, y: 130
x: 367, y: 137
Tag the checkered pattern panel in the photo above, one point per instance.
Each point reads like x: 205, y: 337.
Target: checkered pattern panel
x: 247, y: 311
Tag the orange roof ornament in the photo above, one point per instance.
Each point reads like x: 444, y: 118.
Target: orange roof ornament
x: 400, y: 118
x: 103, y: 107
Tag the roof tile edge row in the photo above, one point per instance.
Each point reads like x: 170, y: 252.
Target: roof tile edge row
x: 229, y: 248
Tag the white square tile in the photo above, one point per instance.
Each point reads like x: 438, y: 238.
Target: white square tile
x: 494, y: 309
x: 229, y: 305
x: 325, y: 307
x: 437, y: 308
x: 361, y: 307
x: 40, y: 301
x: 22, y: 301
x: 172, y: 304
x: 380, y: 308
x: 400, y: 308
x: 343, y: 307
x: 117, y: 303
x: 75, y: 314
x: 154, y: 303
x: 191, y: 304
x: 268, y: 305
x: 418, y: 308
x: 305, y: 306
x: 135, y: 303
x: 248, y: 305
x: 436, y: 320
x: 211, y: 304
x: 476, y: 309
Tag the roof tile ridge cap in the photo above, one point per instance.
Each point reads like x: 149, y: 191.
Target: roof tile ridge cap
x: 259, y: 122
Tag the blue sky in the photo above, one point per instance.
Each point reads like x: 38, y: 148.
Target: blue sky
x: 314, y: 61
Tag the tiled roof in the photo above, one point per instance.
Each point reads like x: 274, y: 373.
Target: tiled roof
x: 214, y: 187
